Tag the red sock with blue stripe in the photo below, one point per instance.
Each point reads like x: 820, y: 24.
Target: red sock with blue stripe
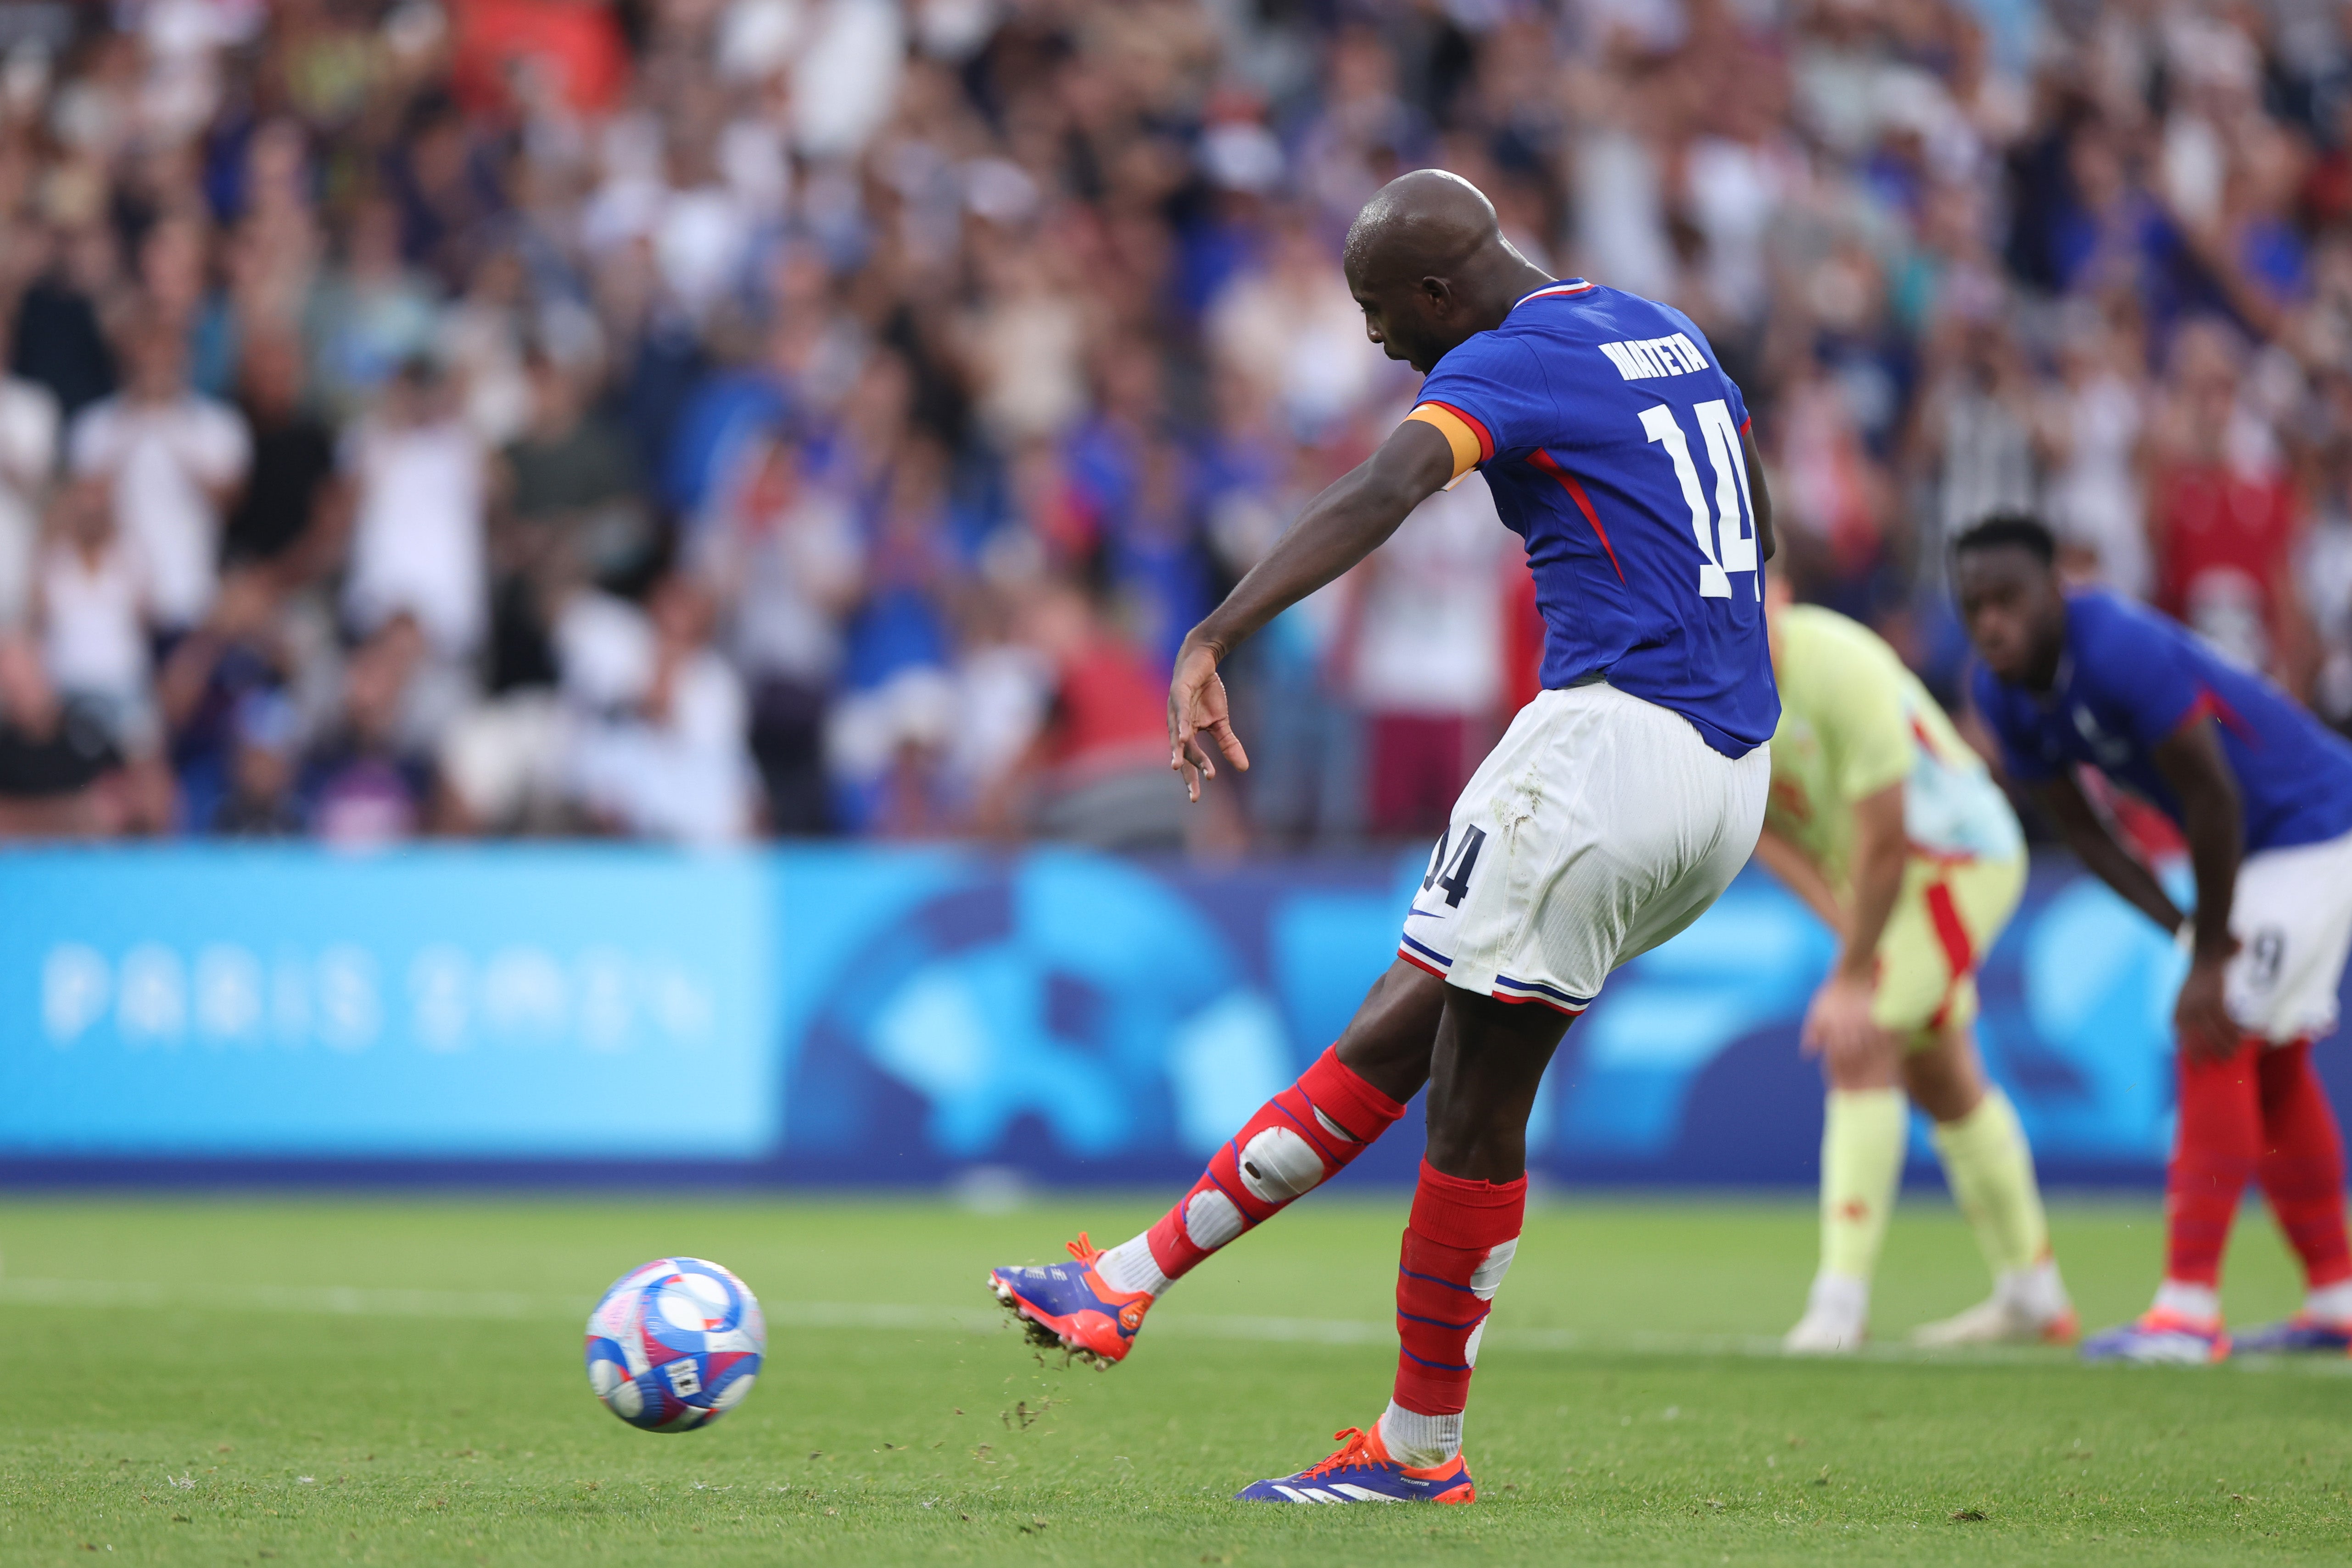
x: 1457, y: 1247
x: 2301, y: 1172
x: 1297, y: 1141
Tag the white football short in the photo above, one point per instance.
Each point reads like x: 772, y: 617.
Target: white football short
x: 2293, y: 919
x: 1601, y: 826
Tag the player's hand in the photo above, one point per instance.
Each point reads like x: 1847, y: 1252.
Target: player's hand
x: 1838, y: 1028
x: 1197, y: 705
x: 2201, y: 1017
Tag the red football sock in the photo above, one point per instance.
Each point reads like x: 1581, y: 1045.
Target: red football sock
x: 2302, y: 1164
x: 1457, y: 1246
x: 1298, y: 1140
x: 2220, y: 1139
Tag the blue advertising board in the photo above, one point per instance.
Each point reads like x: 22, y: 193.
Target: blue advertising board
x: 859, y: 1015
x: 438, y: 1003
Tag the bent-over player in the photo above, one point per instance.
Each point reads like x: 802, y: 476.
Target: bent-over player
x: 2264, y: 794
x: 1890, y: 829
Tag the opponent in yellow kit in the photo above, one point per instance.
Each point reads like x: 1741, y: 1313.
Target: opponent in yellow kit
x: 1888, y: 826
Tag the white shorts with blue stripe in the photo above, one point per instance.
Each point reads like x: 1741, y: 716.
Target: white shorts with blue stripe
x: 1599, y: 827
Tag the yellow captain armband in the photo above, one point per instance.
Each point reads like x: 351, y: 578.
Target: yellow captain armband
x: 1469, y: 439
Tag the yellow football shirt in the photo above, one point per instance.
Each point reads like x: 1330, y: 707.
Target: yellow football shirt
x: 1853, y: 720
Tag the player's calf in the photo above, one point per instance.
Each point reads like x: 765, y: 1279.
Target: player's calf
x: 1093, y: 1306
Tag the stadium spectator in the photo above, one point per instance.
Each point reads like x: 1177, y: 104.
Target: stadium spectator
x: 661, y: 753
x: 2223, y: 509
x: 172, y: 460
x: 885, y: 322
x: 28, y: 457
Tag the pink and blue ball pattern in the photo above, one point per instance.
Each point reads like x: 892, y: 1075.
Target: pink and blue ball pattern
x: 674, y: 1344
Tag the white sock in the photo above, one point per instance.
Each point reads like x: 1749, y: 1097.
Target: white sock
x: 2330, y: 1303
x: 2201, y: 1303
x: 1130, y: 1266
x: 1840, y: 1296
x: 2037, y: 1291
x: 1419, y: 1442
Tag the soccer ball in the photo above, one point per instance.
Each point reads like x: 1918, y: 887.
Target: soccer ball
x: 674, y: 1344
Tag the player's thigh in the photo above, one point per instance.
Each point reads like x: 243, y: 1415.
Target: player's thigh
x: 1601, y: 826
x: 1662, y: 825
x: 2292, y: 918
x: 1724, y: 823
x: 1946, y: 919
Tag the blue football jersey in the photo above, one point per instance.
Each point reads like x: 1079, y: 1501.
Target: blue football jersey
x: 2127, y: 679
x: 1611, y: 440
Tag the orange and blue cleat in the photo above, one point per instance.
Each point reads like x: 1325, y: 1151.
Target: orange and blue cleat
x: 2302, y: 1334
x: 2158, y: 1337
x: 1066, y: 1306
x: 1361, y: 1471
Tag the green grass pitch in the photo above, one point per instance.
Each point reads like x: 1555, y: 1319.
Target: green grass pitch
x: 397, y: 1381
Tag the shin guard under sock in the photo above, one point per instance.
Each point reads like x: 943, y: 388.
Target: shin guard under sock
x: 1298, y: 1140
x: 1990, y: 1171
x: 2213, y: 1157
x: 1458, y: 1248
x: 2302, y: 1164
x: 1862, y: 1135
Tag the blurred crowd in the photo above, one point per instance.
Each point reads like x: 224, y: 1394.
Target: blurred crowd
x: 704, y: 419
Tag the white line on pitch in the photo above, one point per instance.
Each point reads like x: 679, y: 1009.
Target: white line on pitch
x: 355, y: 1301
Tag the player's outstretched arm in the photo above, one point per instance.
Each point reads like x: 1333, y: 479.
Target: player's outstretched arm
x: 2192, y: 762
x: 1838, y: 1024
x: 2094, y: 845
x: 1352, y: 517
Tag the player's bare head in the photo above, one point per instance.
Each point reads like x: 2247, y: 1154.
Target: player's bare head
x: 1424, y: 258
x: 2005, y: 573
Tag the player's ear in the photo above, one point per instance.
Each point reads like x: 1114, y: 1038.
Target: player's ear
x: 1438, y: 293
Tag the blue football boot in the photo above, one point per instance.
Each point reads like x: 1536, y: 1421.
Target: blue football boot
x: 2160, y: 1338
x: 1066, y: 1306
x: 1361, y: 1471
x: 2301, y: 1335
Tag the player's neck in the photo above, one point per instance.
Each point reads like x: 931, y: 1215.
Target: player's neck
x: 1510, y: 278
x: 2041, y: 675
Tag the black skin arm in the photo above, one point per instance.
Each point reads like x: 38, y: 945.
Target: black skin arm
x: 1759, y: 499
x: 1352, y: 517
x: 2193, y: 764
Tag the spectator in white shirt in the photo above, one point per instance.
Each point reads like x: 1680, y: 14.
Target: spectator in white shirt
x: 173, y: 459
x: 417, y: 476
x: 93, y: 600
x: 661, y: 751
x: 28, y: 457
x: 780, y: 554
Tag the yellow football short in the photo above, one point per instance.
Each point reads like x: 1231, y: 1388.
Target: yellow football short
x: 1945, y: 922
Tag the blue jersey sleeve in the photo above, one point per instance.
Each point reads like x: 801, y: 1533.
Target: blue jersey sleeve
x: 2018, y: 757
x: 2130, y: 667
x: 1497, y: 387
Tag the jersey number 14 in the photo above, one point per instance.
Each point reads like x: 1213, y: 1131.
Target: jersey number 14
x: 1725, y: 539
